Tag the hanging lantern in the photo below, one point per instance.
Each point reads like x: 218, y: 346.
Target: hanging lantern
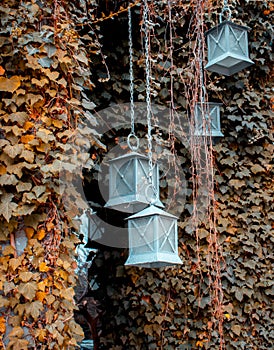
x: 153, y: 239
x: 95, y: 229
x: 207, y: 119
x: 129, y: 180
x: 227, y: 48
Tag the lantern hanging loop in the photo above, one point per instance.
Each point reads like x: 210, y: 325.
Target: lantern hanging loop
x: 135, y: 146
x: 151, y: 198
x: 226, y: 9
x: 133, y: 142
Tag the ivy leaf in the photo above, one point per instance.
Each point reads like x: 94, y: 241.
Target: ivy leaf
x: 236, y: 329
x: 14, y: 150
x: 16, y: 332
x: 23, y: 186
x: 25, y: 276
x: 28, y: 290
x: 67, y: 293
x: 8, y: 286
x: 7, y: 207
x: 8, y: 179
x: 159, y: 319
x: 4, y: 302
x: 14, y: 263
x: 25, y: 209
x: 28, y: 156
x: 148, y: 329
x: 10, y: 84
x: 34, y: 309
x: 256, y: 169
x: 2, y: 325
x: 18, y: 344
x: 236, y: 183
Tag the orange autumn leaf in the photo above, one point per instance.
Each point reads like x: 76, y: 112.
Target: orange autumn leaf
x: 43, y: 267
x: 41, y: 296
x: 28, y: 125
x: 2, y: 325
x: 3, y: 170
x: 44, y: 284
x: 41, y: 234
x: 29, y: 232
x: 27, y: 138
x: 2, y: 70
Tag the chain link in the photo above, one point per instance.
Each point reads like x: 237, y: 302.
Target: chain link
x: 225, y: 9
x: 131, y: 87
x: 148, y: 77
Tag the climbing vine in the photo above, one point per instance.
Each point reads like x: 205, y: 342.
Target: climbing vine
x: 58, y: 62
x: 44, y: 76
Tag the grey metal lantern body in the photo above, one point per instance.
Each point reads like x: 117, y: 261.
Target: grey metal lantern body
x: 153, y: 239
x: 129, y: 187
x: 95, y: 229
x: 208, y: 124
x: 227, y: 45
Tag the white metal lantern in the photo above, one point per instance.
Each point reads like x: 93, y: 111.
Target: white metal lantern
x: 153, y: 239
x: 129, y: 183
x: 207, y: 119
x: 95, y: 229
x: 227, y: 48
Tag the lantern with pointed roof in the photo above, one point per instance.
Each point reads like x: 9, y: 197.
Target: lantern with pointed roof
x: 153, y: 239
x: 227, y: 45
x: 207, y: 119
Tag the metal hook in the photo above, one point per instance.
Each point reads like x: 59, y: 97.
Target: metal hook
x: 227, y: 9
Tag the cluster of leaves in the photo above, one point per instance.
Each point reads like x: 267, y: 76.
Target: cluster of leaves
x: 171, y: 309
x: 46, y: 130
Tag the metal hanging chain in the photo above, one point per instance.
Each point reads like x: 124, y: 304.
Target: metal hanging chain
x: 226, y: 9
x: 132, y: 135
x: 153, y: 197
x: 148, y: 102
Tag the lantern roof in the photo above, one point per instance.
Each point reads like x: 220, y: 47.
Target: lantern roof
x: 129, y: 155
x: 226, y: 22
x: 151, y: 210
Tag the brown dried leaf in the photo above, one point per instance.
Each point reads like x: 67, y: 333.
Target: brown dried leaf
x: 28, y: 290
x: 10, y: 84
x: 14, y: 150
x: 7, y: 207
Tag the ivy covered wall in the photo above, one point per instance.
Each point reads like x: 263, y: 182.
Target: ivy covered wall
x: 171, y: 308
x: 59, y: 60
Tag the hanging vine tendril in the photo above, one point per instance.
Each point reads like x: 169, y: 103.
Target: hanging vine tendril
x: 204, y: 203
x: 148, y: 101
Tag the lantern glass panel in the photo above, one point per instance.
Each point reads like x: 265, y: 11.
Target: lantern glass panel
x: 124, y: 178
x: 237, y: 41
x: 142, y: 235
x: 167, y: 238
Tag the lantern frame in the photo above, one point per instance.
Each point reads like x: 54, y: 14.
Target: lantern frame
x: 212, y: 114
x: 134, y: 183
x: 227, y: 45
x: 151, y: 231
